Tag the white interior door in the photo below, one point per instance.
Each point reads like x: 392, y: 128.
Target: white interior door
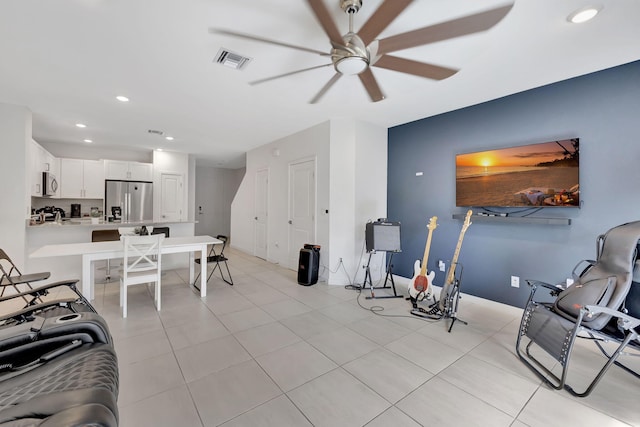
x: 302, y: 205
x: 261, y: 203
x: 171, y: 197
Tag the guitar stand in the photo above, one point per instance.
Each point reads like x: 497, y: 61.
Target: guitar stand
x: 452, y: 300
x: 388, y: 277
x: 433, y: 311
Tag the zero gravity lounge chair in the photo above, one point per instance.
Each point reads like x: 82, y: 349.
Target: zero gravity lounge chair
x: 603, y: 305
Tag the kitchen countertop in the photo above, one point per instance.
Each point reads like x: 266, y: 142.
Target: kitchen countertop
x: 74, y: 222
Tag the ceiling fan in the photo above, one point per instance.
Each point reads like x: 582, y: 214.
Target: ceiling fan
x: 355, y: 53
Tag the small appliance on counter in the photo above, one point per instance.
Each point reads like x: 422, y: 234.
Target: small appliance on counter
x: 50, y: 212
x: 75, y: 210
x: 116, y: 213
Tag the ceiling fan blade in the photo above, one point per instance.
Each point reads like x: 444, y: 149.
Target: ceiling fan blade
x: 416, y: 68
x: 255, y: 82
x: 443, y: 31
x: 325, y: 88
x: 382, y: 17
x: 326, y: 21
x: 264, y: 40
x: 371, y: 85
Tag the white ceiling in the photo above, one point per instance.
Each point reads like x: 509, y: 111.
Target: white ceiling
x: 66, y: 60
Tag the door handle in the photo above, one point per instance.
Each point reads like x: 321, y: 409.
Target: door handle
x: 256, y: 218
x: 290, y: 222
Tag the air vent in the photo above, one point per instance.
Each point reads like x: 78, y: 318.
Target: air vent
x: 155, y: 132
x: 231, y: 60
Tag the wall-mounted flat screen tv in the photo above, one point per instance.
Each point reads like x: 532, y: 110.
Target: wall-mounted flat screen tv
x: 545, y: 174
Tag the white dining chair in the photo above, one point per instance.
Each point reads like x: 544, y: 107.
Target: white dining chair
x: 141, y: 265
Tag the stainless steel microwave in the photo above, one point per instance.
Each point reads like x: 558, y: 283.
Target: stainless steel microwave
x: 49, y: 184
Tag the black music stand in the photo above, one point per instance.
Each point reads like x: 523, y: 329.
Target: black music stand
x: 388, y: 277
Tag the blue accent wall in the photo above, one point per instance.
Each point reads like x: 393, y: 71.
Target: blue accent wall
x: 602, y: 109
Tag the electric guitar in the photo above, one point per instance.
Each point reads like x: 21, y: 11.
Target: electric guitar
x: 420, y: 285
x: 447, y: 294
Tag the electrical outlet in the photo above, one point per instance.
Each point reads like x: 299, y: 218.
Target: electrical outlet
x: 515, y: 281
x: 441, y: 265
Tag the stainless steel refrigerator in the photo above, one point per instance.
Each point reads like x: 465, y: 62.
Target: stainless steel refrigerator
x: 135, y: 200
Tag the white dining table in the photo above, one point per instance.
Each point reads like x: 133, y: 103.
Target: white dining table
x: 95, y: 251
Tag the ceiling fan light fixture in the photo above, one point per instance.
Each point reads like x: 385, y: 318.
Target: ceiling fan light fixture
x: 584, y: 14
x: 351, y: 65
x: 351, y: 58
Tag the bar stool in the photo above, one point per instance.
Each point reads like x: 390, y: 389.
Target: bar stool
x: 106, y: 236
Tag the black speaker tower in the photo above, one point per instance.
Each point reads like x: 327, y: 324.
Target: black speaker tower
x: 308, y: 265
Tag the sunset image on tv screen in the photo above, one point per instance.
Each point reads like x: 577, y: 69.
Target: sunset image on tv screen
x: 543, y: 174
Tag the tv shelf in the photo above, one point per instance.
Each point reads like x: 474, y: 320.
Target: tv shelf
x: 516, y: 219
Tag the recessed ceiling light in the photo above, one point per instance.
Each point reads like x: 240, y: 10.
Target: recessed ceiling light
x: 88, y: 141
x: 122, y: 98
x: 81, y: 125
x: 168, y: 138
x: 584, y: 14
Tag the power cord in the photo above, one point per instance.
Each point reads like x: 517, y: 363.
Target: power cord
x: 378, y: 309
x: 340, y: 264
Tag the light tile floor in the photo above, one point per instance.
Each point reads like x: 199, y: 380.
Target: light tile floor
x: 269, y: 352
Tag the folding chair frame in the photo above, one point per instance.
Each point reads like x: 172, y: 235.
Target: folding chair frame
x: 216, y: 258
x: 13, y: 277
x: 626, y: 325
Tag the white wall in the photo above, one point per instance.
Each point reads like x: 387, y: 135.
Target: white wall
x: 215, y: 189
x: 351, y: 173
x: 312, y: 143
x: 358, y: 194
x: 15, y: 131
x: 191, y: 188
x: 342, y: 223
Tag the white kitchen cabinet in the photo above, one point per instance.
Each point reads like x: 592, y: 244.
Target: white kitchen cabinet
x: 81, y: 179
x: 41, y: 161
x: 93, y: 179
x: 141, y: 171
x: 128, y: 171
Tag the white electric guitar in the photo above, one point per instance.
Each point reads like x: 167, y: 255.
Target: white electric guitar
x: 420, y: 285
